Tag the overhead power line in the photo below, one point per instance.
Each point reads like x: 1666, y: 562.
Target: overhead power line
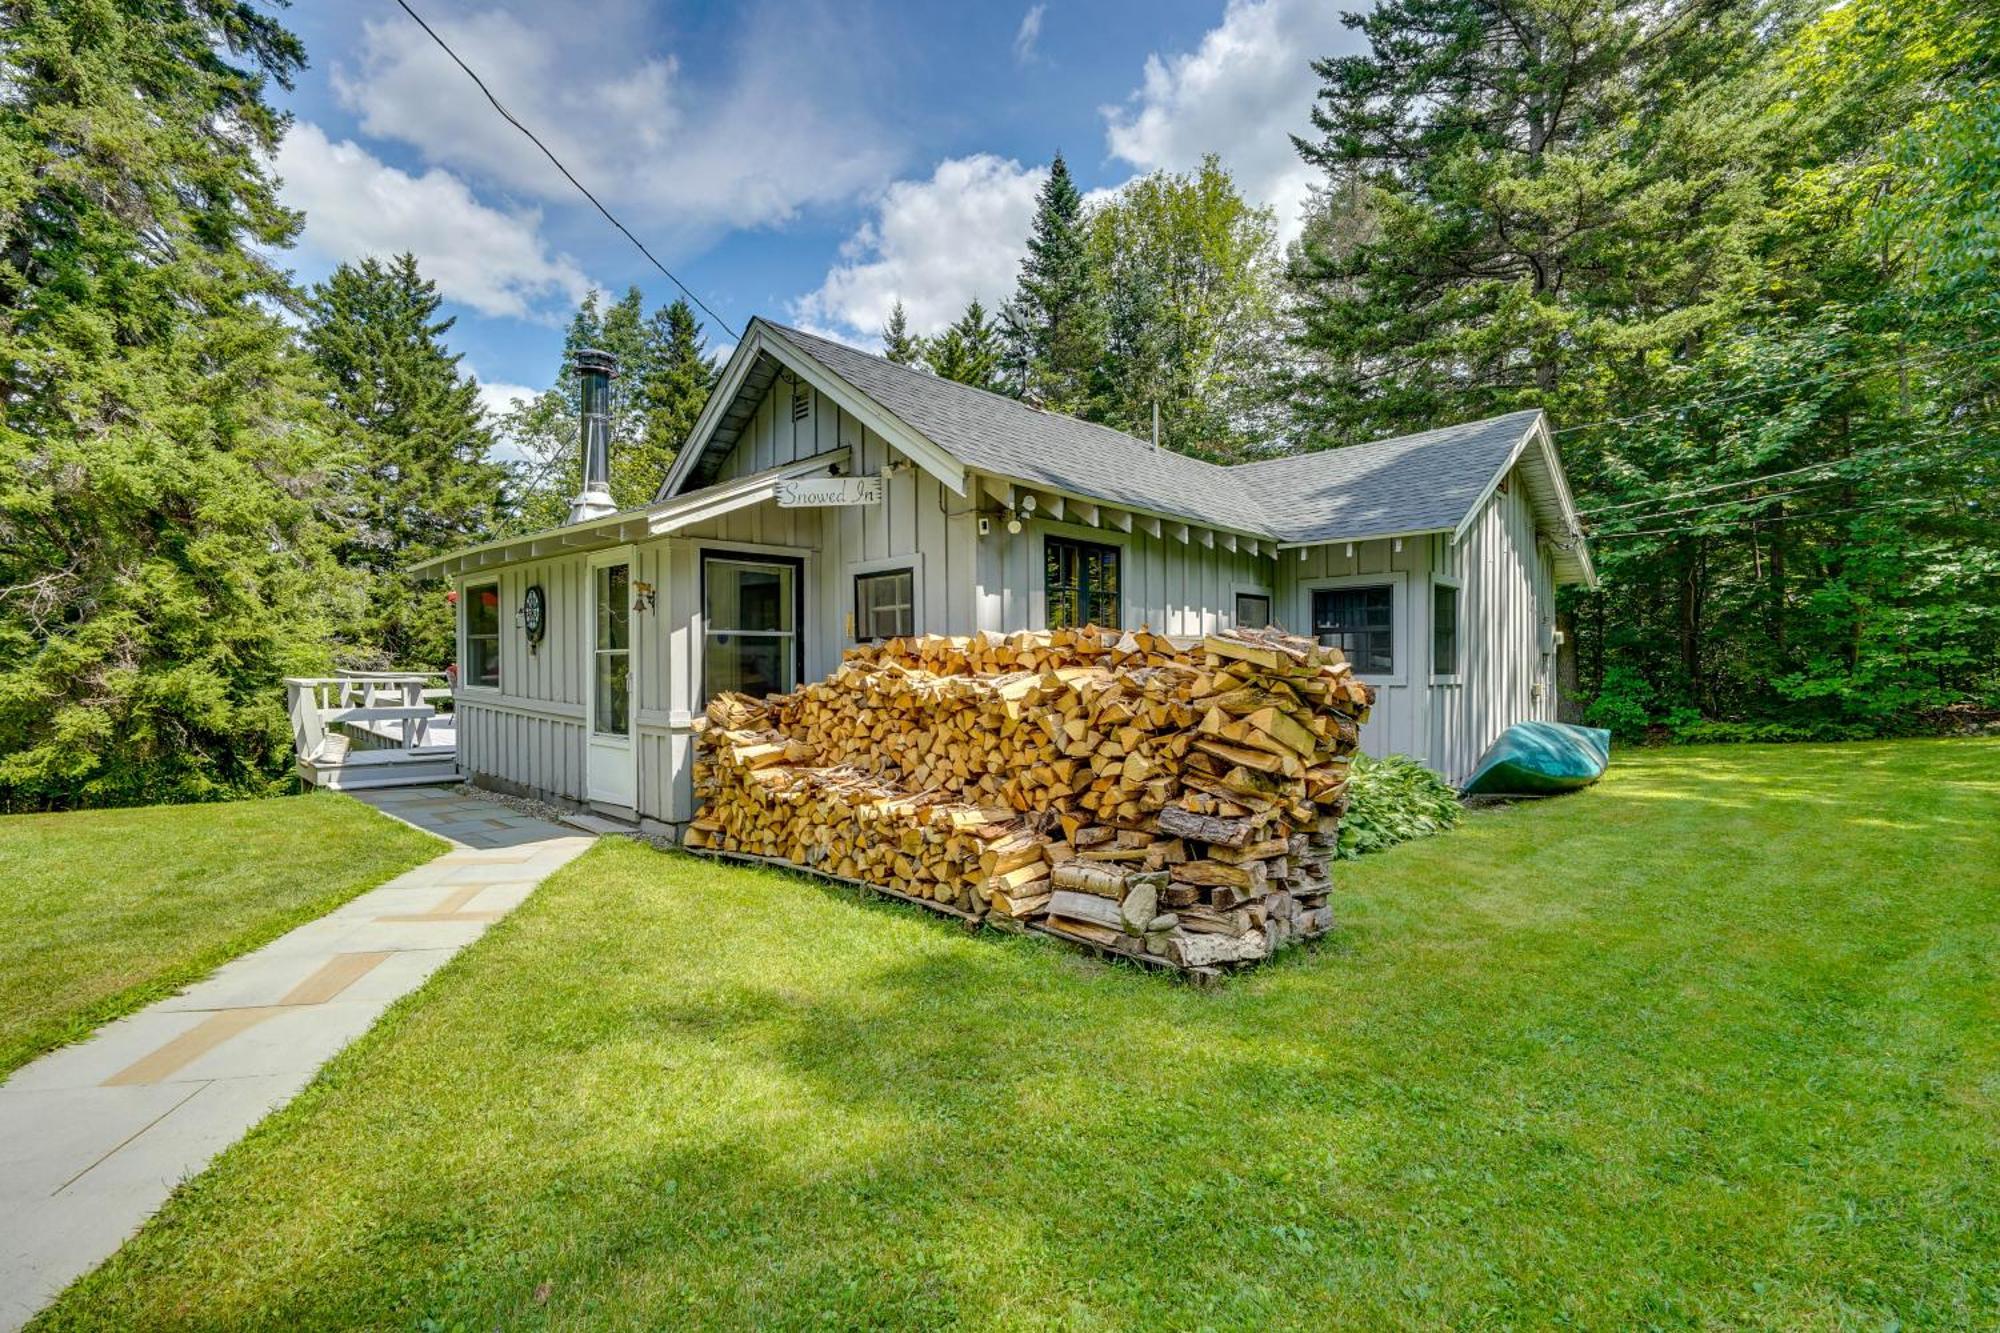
x: 1821, y: 466
x: 1844, y: 372
x: 568, y: 175
x: 1916, y: 505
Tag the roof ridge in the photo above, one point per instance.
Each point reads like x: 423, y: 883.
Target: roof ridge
x: 994, y: 394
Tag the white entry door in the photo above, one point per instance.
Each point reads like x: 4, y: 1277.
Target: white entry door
x: 612, y: 763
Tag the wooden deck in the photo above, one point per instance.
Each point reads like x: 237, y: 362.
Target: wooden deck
x: 369, y: 729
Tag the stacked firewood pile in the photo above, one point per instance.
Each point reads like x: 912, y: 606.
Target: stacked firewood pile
x: 1176, y: 799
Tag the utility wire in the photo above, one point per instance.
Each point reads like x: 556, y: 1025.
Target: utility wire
x: 1739, y: 500
x: 1808, y: 516
x: 1822, y: 465
x: 1931, y: 355
x: 568, y: 175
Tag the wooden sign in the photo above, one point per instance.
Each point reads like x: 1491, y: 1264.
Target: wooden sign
x: 817, y: 492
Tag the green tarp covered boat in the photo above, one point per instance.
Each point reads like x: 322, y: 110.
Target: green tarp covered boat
x: 1541, y: 759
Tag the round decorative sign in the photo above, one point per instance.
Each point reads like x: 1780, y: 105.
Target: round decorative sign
x: 534, y: 613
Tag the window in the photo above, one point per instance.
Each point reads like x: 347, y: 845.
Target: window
x: 885, y: 604
x: 751, y: 610
x: 1444, y: 630
x: 482, y: 636
x: 1361, y: 623
x: 1253, y: 610
x: 611, y: 699
x: 1082, y: 583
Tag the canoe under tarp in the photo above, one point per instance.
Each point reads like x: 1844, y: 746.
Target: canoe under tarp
x: 1541, y: 759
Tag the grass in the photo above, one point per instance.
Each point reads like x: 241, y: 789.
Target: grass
x: 104, y: 911
x: 1716, y: 1043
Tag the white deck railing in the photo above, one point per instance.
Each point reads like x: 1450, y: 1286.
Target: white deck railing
x: 398, y: 707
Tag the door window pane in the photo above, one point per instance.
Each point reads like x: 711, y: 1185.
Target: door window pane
x: 751, y: 634
x: 1361, y: 623
x: 1444, y: 630
x: 1253, y: 610
x: 612, y: 680
x: 885, y: 604
x: 482, y: 636
x: 1081, y: 579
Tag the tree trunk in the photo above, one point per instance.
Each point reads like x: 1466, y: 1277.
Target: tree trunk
x: 1569, y: 700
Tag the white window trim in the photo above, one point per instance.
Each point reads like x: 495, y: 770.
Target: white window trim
x: 1251, y: 590
x: 1399, y: 616
x: 914, y: 562
x: 465, y: 587
x: 1457, y: 584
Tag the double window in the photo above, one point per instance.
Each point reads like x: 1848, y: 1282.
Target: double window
x: 1081, y: 579
x: 1361, y: 622
x: 482, y: 636
x: 750, y: 607
x: 885, y: 604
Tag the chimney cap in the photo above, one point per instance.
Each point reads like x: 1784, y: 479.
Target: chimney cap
x: 588, y: 359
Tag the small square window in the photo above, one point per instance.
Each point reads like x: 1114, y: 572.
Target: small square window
x: 1444, y: 630
x: 1253, y: 610
x: 885, y: 604
x: 1361, y: 623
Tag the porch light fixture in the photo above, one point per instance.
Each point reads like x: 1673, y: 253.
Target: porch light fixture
x: 1027, y: 504
x: 1013, y: 523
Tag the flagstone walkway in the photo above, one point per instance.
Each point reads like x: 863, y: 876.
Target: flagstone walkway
x: 94, y: 1136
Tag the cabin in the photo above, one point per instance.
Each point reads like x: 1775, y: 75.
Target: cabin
x: 827, y: 496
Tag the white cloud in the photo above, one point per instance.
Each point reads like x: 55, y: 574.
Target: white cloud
x: 1029, y: 33
x: 1241, y: 94
x: 784, y: 127
x: 497, y: 397
x: 934, y: 245
x: 356, y: 206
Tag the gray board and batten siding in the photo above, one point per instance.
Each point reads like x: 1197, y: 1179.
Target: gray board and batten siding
x: 1184, y: 560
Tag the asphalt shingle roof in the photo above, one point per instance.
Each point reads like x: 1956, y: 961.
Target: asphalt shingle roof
x: 1414, y: 483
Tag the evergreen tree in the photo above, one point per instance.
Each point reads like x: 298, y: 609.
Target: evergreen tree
x: 418, y: 479
x: 162, y: 565
x: 674, y: 388
x: 968, y: 351
x: 898, y: 343
x: 1055, y: 323
x: 1719, y: 246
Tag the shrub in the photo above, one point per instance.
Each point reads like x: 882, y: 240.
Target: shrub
x: 1394, y: 800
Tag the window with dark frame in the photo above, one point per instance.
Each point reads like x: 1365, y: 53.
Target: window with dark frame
x: 482, y: 636
x: 1444, y: 630
x: 1361, y: 623
x: 885, y: 604
x: 1253, y: 610
x: 1082, y: 583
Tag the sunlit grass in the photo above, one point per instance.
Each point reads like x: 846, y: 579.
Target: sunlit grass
x: 103, y: 911
x: 1711, y: 1044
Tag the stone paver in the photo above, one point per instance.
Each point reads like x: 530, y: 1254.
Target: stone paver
x: 94, y: 1137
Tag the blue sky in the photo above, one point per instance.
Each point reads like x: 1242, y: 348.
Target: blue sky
x: 803, y: 160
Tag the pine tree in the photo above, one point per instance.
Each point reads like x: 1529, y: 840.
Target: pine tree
x: 418, y: 478
x: 1055, y: 323
x: 673, y: 389
x: 968, y: 351
x: 898, y: 343
x: 162, y: 564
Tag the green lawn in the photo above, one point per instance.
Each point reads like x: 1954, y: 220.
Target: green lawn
x: 104, y: 911
x: 1716, y: 1043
